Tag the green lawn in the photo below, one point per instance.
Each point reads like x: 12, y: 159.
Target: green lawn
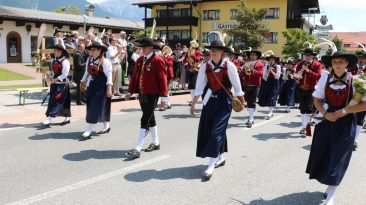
x: 6, y: 75
x: 13, y: 87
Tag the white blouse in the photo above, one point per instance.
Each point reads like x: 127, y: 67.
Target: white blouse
x: 278, y: 71
x: 65, y: 68
x: 107, y: 70
x: 319, y: 91
x: 202, y: 80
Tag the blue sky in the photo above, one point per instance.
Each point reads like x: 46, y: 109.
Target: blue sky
x: 344, y: 15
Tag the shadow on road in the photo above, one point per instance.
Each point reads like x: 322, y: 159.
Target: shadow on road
x: 303, y: 198
x: 290, y: 124
x: 268, y: 136
x: 95, y: 154
x: 307, y: 147
x: 189, y: 173
x: 56, y: 136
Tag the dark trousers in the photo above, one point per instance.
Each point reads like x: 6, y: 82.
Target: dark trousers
x: 360, y: 118
x: 306, y: 101
x: 148, y: 103
x: 80, y: 96
x: 251, y: 93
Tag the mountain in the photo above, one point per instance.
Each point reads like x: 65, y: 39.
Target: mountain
x: 122, y: 9
x: 109, y: 8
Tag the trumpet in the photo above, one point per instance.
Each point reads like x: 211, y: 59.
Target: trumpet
x: 248, y: 68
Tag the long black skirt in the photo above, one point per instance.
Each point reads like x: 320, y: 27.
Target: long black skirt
x: 269, y: 93
x: 59, y: 107
x: 287, y: 95
x: 98, y: 105
x: 211, y: 140
x: 192, y: 78
x: 331, y: 150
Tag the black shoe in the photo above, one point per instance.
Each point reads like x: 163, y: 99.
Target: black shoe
x: 169, y: 107
x: 221, y: 164
x: 104, y: 131
x: 355, y: 146
x: 325, y: 195
x: 268, y: 117
x: 206, y: 177
x: 65, y: 122
x: 133, y: 154
x: 249, y: 125
x: 302, y: 131
x: 152, y: 147
x: 85, y: 138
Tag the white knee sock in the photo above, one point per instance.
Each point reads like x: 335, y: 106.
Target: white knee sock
x: 330, y: 195
x: 66, y: 119
x: 288, y: 108
x: 154, y: 134
x: 220, y: 159
x: 303, y: 121
x: 168, y: 100
x: 358, y: 132
x: 106, y: 125
x: 251, y: 114
x: 270, y: 111
x: 89, y: 129
x: 211, y: 165
x: 141, y: 139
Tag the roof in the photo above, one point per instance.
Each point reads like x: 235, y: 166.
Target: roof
x: 351, y: 38
x: 143, y: 2
x: 12, y: 13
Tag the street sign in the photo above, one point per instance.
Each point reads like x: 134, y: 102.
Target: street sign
x: 326, y: 35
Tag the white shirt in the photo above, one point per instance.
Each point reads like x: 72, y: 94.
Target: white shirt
x: 135, y: 56
x: 107, y: 70
x: 278, y: 71
x: 202, y: 80
x: 65, y: 68
x: 112, y: 51
x: 319, y: 91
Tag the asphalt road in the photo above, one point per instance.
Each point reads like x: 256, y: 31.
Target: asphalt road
x: 265, y: 164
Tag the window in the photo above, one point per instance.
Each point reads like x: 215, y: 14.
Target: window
x: 233, y: 14
x: 347, y: 45
x: 271, y: 38
x: 359, y: 46
x: 185, y: 12
x: 211, y: 14
x: 273, y: 13
x: 174, y: 34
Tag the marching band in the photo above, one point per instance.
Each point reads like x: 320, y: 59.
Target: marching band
x: 320, y: 87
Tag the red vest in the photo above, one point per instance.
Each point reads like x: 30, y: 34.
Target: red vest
x: 57, y: 67
x: 93, y: 68
x: 222, y: 76
x: 310, y: 79
x: 338, y: 98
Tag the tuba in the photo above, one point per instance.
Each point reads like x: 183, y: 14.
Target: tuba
x: 249, y: 67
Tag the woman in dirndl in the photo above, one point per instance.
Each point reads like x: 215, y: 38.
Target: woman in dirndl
x: 217, y: 106
x: 287, y: 95
x: 98, y: 79
x: 332, y: 145
x: 271, y: 84
x: 59, y: 102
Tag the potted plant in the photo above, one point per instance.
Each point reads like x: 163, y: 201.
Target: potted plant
x: 35, y: 57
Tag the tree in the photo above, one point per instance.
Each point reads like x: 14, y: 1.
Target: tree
x: 295, y: 40
x: 250, y: 28
x: 140, y: 34
x: 72, y: 9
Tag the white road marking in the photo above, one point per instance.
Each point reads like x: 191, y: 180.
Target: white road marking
x: 265, y: 122
x: 88, y: 181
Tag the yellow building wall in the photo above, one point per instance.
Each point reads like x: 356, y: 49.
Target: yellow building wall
x: 274, y: 25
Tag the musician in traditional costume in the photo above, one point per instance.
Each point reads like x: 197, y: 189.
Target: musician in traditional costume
x: 149, y: 79
x: 271, y: 84
x: 233, y: 57
x: 251, y: 76
x: 168, y: 59
x: 97, y: 80
x: 287, y: 95
x: 217, y: 73
x: 308, y: 72
x: 361, y: 116
x: 332, y: 144
x: 193, y: 58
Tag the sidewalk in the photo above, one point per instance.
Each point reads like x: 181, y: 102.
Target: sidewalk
x: 22, y: 69
x: 31, y: 114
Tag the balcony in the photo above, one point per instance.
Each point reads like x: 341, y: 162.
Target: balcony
x: 294, y: 23
x: 173, y: 21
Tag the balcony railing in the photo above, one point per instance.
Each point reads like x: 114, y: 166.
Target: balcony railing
x: 295, y: 23
x: 173, y: 21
